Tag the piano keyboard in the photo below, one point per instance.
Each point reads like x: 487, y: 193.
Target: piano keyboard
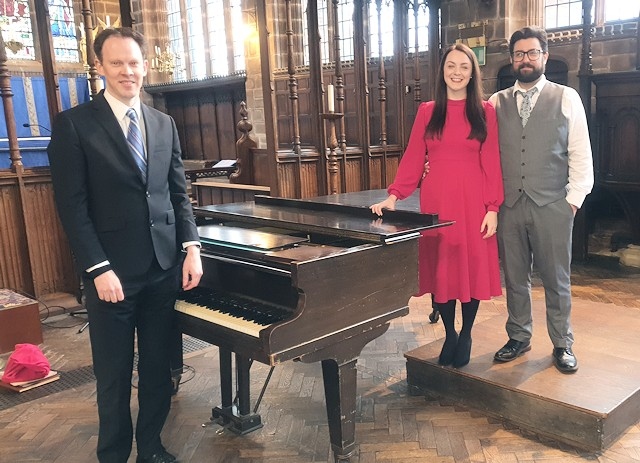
x: 238, y: 314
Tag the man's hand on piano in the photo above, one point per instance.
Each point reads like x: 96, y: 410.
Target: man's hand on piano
x: 191, y: 268
x: 108, y: 287
x: 389, y: 203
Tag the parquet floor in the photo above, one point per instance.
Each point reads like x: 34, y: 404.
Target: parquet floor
x: 392, y: 426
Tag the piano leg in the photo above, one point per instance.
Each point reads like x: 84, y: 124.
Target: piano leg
x: 340, y: 376
x: 340, y: 396
x: 238, y: 419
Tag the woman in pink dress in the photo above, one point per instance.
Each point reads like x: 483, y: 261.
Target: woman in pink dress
x: 458, y: 135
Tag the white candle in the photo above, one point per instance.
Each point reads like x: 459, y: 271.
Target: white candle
x: 108, y: 21
x: 330, y: 98
x: 81, y: 30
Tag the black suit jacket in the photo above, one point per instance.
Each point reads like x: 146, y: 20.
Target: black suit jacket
x: 105, y: 208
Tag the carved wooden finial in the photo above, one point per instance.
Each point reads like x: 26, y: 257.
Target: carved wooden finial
x: 244, y: 164
x: 244, y: 126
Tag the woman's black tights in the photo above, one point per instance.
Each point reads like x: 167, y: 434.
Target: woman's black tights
x: 456, y: 349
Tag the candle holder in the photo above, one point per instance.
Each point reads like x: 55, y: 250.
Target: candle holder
x: 164, y: 61
x: 332, y: 157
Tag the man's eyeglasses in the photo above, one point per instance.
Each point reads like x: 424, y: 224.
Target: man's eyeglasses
x: 533, y: 54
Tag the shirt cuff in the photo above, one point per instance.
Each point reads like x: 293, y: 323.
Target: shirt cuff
x: 98, y: 270
x: 186, y: 244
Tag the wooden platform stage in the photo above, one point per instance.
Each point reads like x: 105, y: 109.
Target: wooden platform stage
x: 589, y: 409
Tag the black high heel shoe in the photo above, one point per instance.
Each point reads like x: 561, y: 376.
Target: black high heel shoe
x: 448, y: 350
x: 463, y: 352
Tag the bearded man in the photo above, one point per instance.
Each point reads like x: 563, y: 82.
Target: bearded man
x: 547, y: 170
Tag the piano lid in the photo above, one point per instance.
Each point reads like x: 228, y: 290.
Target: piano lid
x: 246, y: 238
x: 346, y: 215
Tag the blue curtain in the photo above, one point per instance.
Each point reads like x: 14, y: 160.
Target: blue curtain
x: 30, y: 107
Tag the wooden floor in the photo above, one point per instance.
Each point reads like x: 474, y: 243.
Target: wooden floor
x: 392, y: 425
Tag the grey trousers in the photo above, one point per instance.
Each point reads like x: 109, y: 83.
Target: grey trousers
x: 530, y: 235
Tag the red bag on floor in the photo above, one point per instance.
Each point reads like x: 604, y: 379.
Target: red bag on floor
x: 26, y: 363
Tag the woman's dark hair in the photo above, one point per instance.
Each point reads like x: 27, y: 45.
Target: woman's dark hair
x: 123, y: 32
x: 474, y: 108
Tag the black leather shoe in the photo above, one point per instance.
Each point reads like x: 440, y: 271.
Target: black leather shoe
x: 159, y: 457
x: 448, y: 350
x: 512, y: 350
x: 564, y: 359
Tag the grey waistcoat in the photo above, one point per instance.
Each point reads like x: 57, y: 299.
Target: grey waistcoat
x: 534, y: 159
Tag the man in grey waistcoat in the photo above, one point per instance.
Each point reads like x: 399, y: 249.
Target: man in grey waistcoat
x: 547, y: 168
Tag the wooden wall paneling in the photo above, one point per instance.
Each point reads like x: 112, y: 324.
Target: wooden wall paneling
x: 52, y: 264
x: 309, y: 177
x: 624, y: 138
x: 283, y: 111
x: 376, y: 170
x: 175, y: 110
x: 412, y: 98
x: 226, y: 118
x: 308, y: 133
x: 618, y: 129
x: 391, y: 107
x: 392, y: 168
x: 229, y: 196
x: 351, y: 118
x: 15, y: 269
x: 617, y: 166
x: 207, y: 196
x: 263, y: 163
x: 353, y: 174
x: 38, y: 262
x: 191, y: 111
x: 209, y: 125
x: 287, y: 176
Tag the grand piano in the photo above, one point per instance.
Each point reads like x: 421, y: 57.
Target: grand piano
x: 308, y: 280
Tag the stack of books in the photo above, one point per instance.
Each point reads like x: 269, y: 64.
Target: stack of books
x: 22, y: 386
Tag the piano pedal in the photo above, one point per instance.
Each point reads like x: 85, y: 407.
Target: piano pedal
x: 239, y: 424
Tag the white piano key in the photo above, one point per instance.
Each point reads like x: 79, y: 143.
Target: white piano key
x: 214, y: 316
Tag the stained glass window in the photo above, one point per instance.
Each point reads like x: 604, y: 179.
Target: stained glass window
x: 15, y: 21
x: 17, y: 30
x: 63, y: 30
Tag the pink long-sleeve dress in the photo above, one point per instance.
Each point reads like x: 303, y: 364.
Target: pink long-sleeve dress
x: 463, y: 183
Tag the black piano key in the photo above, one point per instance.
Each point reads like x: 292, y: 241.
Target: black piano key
x: 252, y: 310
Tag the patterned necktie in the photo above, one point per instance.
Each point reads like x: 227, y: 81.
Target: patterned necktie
x: 136, y: 145
x: 525, y: 109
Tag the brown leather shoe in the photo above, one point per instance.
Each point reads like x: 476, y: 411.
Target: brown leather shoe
x: 564, y: 359
x: 512, y: 350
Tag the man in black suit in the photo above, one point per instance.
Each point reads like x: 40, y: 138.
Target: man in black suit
x: 121, y: 195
